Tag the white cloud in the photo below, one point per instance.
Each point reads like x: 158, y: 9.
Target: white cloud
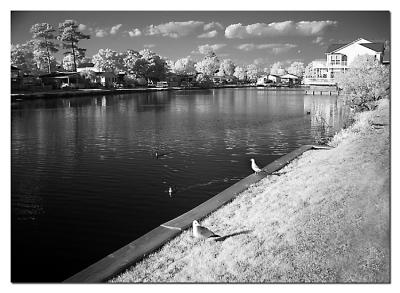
x: 213, y: 25
x: 208, y: 35
x: 307, y: 28
x: 135, y: 33
x: 81, y: 27
x: 283, y: 48
x: 274, y: 48
x: 246, y: 47
x: 100, y: 33
x: 115, y: 29
x: 203, y: 49
x: 259, y: 61
x: 319, y: 40
x: 174, y: 29
x: 149, y: 45
x: 311, y: 28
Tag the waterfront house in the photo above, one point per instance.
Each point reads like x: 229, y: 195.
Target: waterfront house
x: 224, y: 79
x: 104, y: 78
x: 59, y: 79
x: 290, y: 79
x: 338, y: 57
x: 262, y: 80
x: 86, y: 66
x: 274, y: 78
x: 16, y: 78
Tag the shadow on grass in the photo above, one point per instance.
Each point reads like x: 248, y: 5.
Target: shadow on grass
x: 222, y: 238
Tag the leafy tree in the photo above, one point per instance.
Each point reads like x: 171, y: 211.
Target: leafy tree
x: 70, y: 36
x: 252, y: 72
x: 44, y: 62
x: 296, y: 68
x: 68, y: 60
x: 129, y: 59
x: 227, y: 67
x: 185, y: 66
x: 108, y: 60
x: 204, y: 80
x: 43, y: 33
x: 170, y: 65
x: 277, y: 68
x: 22, y: 57
x: 209, y: 65
x: 89, y: 75
x: 309, y: 70
x: 365, y: 82
x: 240, y: 73
x: 157, y: 66
x: 31, y: 59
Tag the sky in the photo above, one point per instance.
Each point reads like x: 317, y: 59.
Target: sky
x: 259, y: 37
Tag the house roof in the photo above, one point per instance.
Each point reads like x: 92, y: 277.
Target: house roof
x: 86, y: 64
x: 59, y: 74
x: 290, y: 76
x: 377, y: 47
x: 334, y: 47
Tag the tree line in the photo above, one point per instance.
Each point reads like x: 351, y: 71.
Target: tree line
x: 36, y: 57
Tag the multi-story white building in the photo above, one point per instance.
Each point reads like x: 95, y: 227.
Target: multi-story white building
x: 338, y: 59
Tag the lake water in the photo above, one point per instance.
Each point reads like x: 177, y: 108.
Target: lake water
x: 85, y: 180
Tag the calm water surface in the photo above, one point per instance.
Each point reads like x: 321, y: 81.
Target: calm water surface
x: 85, y: 180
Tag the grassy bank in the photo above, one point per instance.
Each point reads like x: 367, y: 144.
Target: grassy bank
x: 323, y: 218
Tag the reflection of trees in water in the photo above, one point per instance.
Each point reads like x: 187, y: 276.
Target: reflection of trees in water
x: 328, y: 116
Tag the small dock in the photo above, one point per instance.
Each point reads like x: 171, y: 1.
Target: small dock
x: 322, y: 90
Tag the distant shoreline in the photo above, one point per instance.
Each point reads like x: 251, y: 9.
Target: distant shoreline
x: 92, y: 92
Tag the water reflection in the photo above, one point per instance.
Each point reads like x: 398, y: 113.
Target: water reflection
x: 84, y: 172
x: 328, y: 115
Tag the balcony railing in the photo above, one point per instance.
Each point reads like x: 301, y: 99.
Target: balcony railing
x: 337, y: 64
x: 319, y: 81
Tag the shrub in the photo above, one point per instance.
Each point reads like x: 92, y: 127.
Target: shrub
x: 365, y: 82
x: 204, y: 81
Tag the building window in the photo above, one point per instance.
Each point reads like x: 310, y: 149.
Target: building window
x: 344, y: 60
x: 335, y: 59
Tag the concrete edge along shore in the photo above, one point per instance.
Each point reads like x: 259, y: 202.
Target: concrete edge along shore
x: 133, y: 252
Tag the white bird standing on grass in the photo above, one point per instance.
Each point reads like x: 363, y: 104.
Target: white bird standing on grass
x: 202, y: 232
x: 254, y: 166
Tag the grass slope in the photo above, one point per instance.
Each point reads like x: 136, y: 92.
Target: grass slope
x: 323, y: 218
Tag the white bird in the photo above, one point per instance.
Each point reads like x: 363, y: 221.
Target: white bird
x: 170, y: 191
x: 202, y: 232
x: 254, y: 166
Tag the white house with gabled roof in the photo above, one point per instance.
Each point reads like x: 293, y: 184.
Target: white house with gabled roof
x: 338, y: 59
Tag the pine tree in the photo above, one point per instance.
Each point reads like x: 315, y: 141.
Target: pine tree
x: 70, y: 37
x: 43, y: 33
